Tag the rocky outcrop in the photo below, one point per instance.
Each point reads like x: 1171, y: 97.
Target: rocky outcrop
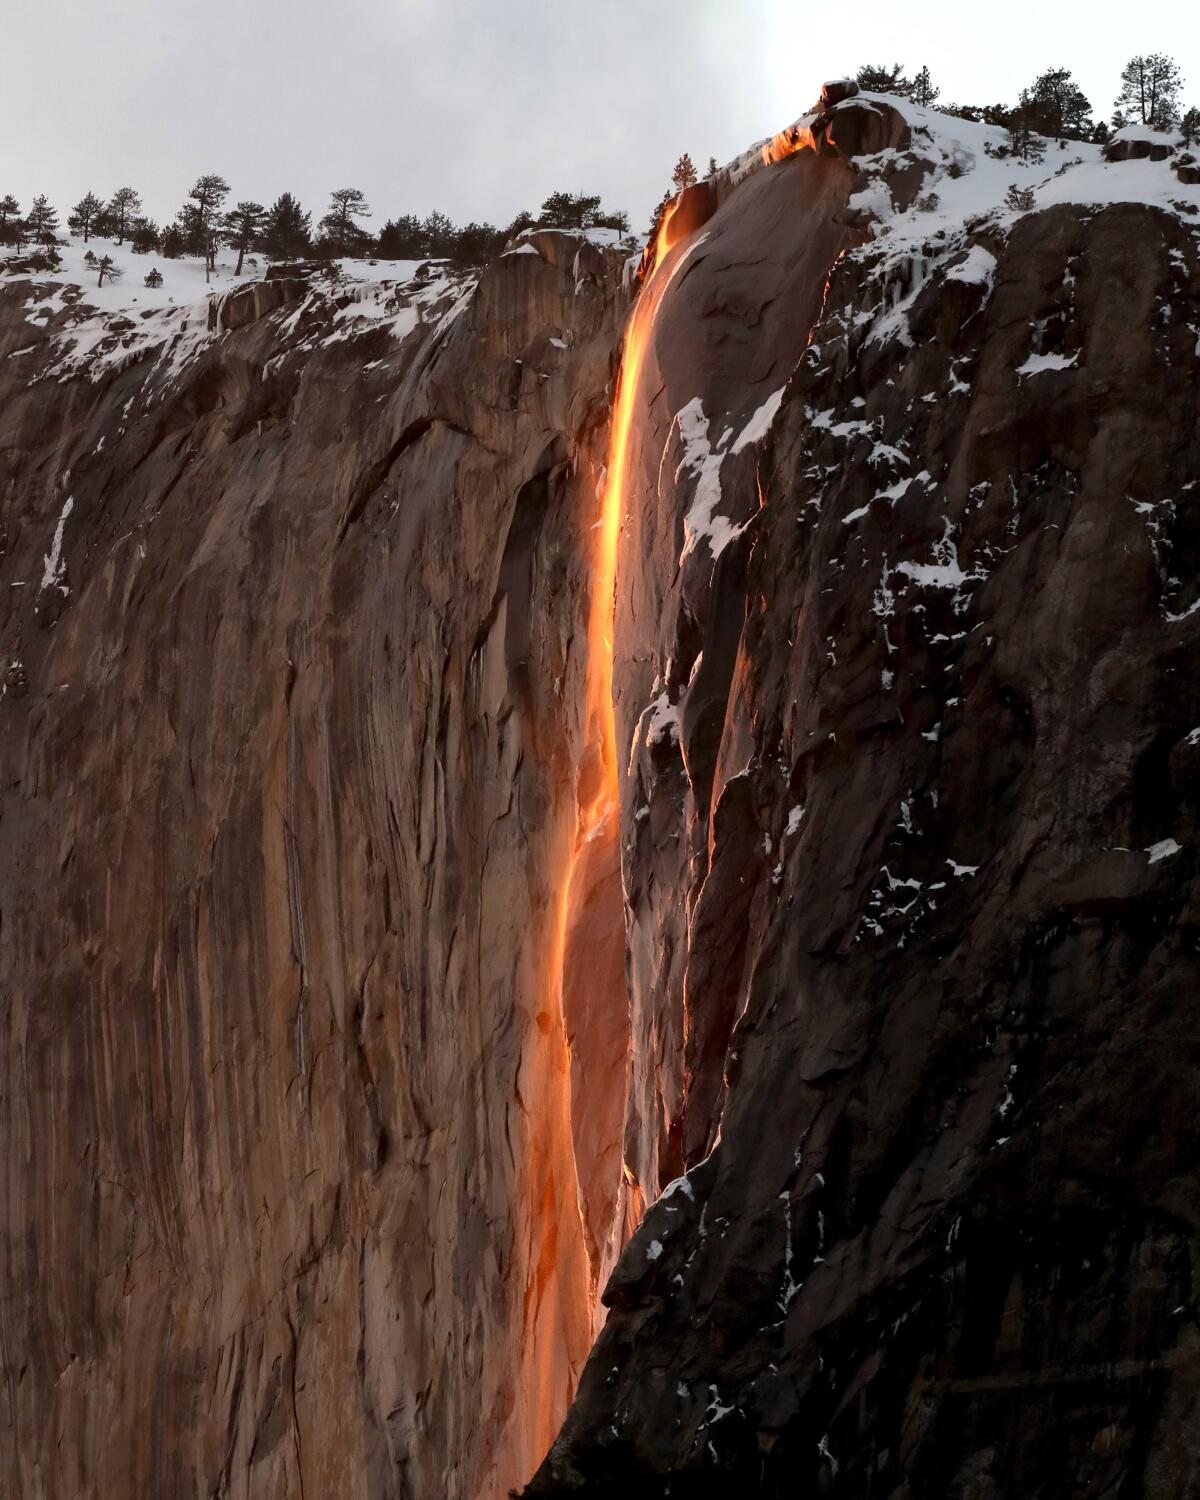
x: 354, y: 1044
x: 291, y: 629
x: 911, y: 872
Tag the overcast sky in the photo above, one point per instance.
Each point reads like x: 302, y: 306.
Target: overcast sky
x: 482, y: 107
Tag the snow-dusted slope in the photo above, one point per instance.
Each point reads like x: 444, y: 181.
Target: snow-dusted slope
x: 95, y: 329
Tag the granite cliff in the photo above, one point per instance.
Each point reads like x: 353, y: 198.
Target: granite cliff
x: 643, y: 810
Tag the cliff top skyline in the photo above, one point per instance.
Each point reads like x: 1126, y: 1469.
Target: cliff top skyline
x: 480, y: 111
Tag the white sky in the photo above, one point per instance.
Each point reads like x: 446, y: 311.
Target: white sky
x: 482, y: 107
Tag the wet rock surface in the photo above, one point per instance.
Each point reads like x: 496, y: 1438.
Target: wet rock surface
x: 329, y: 1103
x: 938, y: 1088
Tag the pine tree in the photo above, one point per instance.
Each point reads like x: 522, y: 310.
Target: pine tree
x: 124, y: 206
x: 684, y: 175
x: 713, y: 169
x: 10, y: 220
x: 143, y: 236
x: 243, y: 225
x: 922, y: 91
x: 154, y: 277
x: 402, y: 239
x: 523, y: 221
x: 107, y: 270
x: 84, y: 215
x: 287, y: 229
x: 173, y: 243
x: 569, y: 210
x: 343, y: 234
x: 1059, y: 108
x: 1020, y: 199
x: 439, y: 235
x: 618, y: 220
x: 200, y: 218
x: 878, y: 78
x: 1189, y: 126
x: 1150, y: 89
x: 476, y: 244
x: 42, y: 222
x: 1023, y: 141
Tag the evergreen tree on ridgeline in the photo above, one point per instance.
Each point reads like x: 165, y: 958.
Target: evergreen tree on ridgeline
x: 342, y: 233
x: 42, y: 223
x: 287, y: 230
x: 684, y: 174
x: 523, y: 221
x: 243, y: 225
x: 144, y: 236
x: 476, y: 244
x: 1189, y: 127
x: 402, y: 239
x: 83, y: 216
x: 172, y: 243
x: 440, y: 234
x: 922, y: 90
x: 10, y: 220
x: 1150, y: 89
x: 878, y: 78
x: 569, y: 211
x: 1058, y: 107
x: 200, y: 218
x: 123, y: 207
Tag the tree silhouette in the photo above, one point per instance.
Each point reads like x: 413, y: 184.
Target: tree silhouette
x: 403, y: 239
x: 1150, y: 88
x: 10, y: 220
x: 570, y: 210
x: 200, y: 218
x: 124, y: 206
x: 878, y: 78
x: 243, y: 224
x: 287, y: 229
x: 684, y: 175
x: 42, y: 222
x: 343, y: 234
x: 1059, y: 107
x: 144, y: 236
x: 922, y: 90
x: 84, y: 215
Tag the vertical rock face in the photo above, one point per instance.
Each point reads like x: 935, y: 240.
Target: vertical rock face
x: 293, y: 634
x: 348, y: 1029
x: 910, y: 831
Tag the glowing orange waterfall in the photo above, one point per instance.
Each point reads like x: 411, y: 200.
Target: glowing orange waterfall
x: 572, y: 1083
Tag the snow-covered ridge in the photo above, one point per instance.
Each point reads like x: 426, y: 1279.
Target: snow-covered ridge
x: 974, y: 189
x: 95, y: 330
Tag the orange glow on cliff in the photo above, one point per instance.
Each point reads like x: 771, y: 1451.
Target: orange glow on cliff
x: 797, y: 137
x: 577, y: 1219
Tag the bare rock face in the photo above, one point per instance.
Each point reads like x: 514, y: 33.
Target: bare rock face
x: 910, y: 858
x: 367, y: 1059
x: 293, y: 658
